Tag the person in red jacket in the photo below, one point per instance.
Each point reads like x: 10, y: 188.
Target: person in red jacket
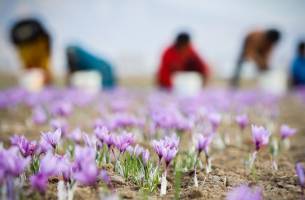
x: 180, y: 57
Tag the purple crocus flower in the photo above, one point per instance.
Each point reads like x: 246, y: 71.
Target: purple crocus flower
x: 215, y: 119
x: 104, y: 176
x: 203, y: 142
x: 59, y: 124
x: 51, y: 138
x: 145, y: 156
x: 85, y: 170
x: 157, y: 146
x: 61, y: 108
x: 301, y: 174
x: 286, y: 131
x: 76, y: 136
x: 48, y: 165
x: 123, y: 141
x: 64, y: 167
x: 102, y: 133
x: 26, y: 147
x: 242, y: 121
x: 90, y: 140
x: 168, y: 155
x: 166, y: 148
x: 39, y: 115
x: 260, y: 136
x: 12, y: 163
x: 87, y: 175
x: 39, y: 182
x: 245, y: 192
x: 83, y: 155
x: 137, y: 150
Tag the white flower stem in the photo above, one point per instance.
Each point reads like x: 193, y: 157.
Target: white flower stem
x: 252, y: 159
x: 195, y: 178
x: 71, y: 190
x: 286, y: 143
x: 208, y: 165
x: 163, y: 183
x: 61, y: 190
x: 274, y: 164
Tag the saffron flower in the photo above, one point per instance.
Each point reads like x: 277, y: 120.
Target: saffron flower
x: 12, y: 164
x: 87, y: 174
x: 167, y: 149
x: 245, y: 192
x: 123, y: 141
x: 39, y: 182
x: 61, y: 108
x: 260, y: 136
x: 39, y: 115
x: 102, y: 133
x: 203, y: 142
x: 215, y: 119
x: 145, y: 156
x: 51, y: 138
x: 26, y: 147
x: 76, y: 136
x: 242, y: 121
x: 286, y: 131
x: 301, y: 176
x: 59, y: 124
x: 85, y: 170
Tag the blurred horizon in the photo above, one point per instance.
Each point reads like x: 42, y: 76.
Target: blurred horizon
x: 133, y: 34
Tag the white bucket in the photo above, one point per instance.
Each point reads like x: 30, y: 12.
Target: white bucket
x: 187, y: 83
x: 32, y: 79
x: 86, y: 80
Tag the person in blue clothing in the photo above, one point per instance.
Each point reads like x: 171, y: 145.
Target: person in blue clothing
x: 298, y: 66
x: 81, y: 60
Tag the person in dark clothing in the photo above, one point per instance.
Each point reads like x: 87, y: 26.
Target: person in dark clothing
x: 297, y: 69
x: 33, y: 43
x: 257, y: 48
x: 81, y: 60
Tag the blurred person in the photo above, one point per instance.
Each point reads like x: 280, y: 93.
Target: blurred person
x: 297, y: 70
x: 33, y: 44
x: 257, y: 47
x: 180, y: 56
x: 81, y: 60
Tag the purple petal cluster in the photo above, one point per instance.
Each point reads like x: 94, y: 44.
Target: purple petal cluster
x: 242, y: 121
x: 203, y: 142
x: 245, y: 192
x: 12, y: 164
x: 166, y: 148
x: 39, y: 115
x: 85, y: 170
x: 26, y: 147
x: 301, y: 174
x: 215, y: 119
x: 139, y: 151
x: 61, y: 108
x: 102, y: 133
x: 260, y: 136
x: 48, y: 167
x: 50, y: 139
x: 286, y: 131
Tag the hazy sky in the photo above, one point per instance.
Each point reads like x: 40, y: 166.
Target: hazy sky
x: 132, y: 33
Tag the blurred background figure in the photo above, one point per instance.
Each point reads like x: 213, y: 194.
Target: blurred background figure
x: 256, y: 49
x: 33, y: 44
x: 297, y: 69
x: 180, y: 56
x: 80, y: 60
